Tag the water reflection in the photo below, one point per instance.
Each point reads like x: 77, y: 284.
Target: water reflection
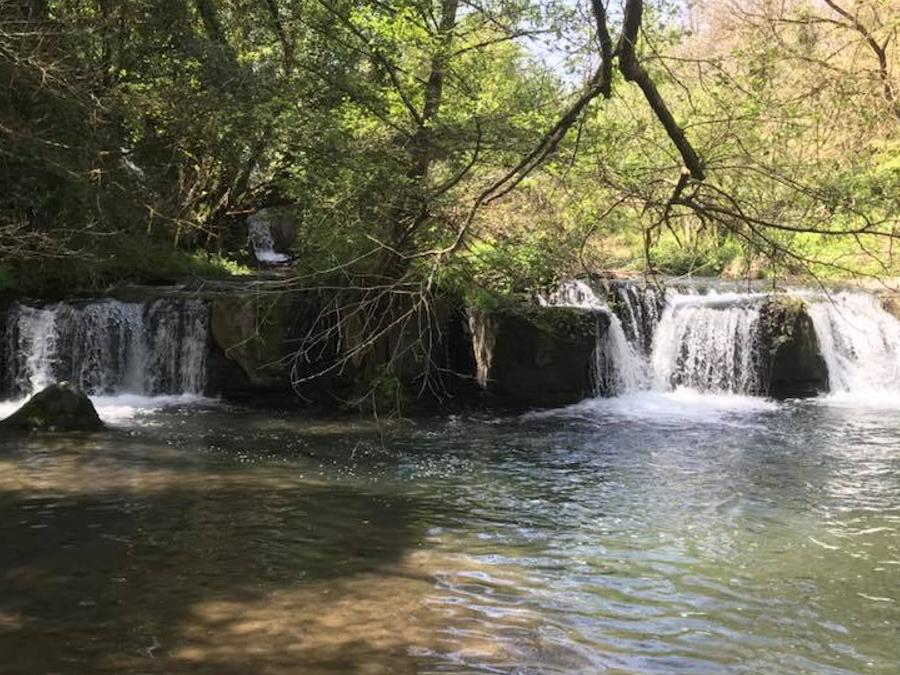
x: 731, y: 539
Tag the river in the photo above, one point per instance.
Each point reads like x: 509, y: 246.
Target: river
x: 664, y: 533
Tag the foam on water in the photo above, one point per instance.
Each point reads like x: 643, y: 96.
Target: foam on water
x: 124, y: 407
x: 679, y: 407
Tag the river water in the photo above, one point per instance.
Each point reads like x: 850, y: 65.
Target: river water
x: 664, y: 533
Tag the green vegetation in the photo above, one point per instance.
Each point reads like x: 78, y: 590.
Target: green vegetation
x: 427, y: 147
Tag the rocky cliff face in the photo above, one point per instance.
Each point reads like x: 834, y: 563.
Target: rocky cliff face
x: 251, y: 335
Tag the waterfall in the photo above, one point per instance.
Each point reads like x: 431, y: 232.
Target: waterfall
x: 715, y: 342
x: 618, y: 365
x: 106, y: 346
x: 34, y: 343
x: 260, y: 228
x: 708, y: 343
x: 859, y: 341
x: 639, y: 312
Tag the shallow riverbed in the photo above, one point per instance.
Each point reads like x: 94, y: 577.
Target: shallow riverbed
x: 653, y: 533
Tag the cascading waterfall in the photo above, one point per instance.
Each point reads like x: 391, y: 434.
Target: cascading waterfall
x: 859, y: 341
x: 33, y: 344
x: 107, y: 347
x: 260, y: 229
x: 705, y: 342
x: 713, y: 342
x: 639, y: 312
x: 708, y: 343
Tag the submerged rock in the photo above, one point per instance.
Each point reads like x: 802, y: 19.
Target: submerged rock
x: 536, y: 355
x: 792, y: 363
x: 59, y: 407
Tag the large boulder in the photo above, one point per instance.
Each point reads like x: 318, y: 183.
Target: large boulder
x: 59, y: 407
x: 252, y: 331
x: 792, y: 365
x: 532, y: 355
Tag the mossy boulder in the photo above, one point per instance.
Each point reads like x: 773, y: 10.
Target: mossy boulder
x: 252, y: 332
x: 530, y: 355
x: 59, y: 407
x: 791, y: 363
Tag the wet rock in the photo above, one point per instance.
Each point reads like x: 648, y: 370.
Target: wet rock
x: 792, y: 364
x: 890, y: 300
x: 59, y: 407
x: 536, y: 355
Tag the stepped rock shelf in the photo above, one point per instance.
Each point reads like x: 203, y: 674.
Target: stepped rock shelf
x: 583, y: 339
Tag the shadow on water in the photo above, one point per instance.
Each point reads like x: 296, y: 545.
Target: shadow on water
x: 190, y: 571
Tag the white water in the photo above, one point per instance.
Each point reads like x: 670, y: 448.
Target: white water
x: 263, y: 243
x: 860, y: 343
x: 678, y: 408
x: 124, y: 407
x: 36, y: 339
x: 708, y: 343
x: 640, y: 313
x: 107, y: 347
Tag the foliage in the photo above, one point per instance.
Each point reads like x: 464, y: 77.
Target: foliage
x: 136, y: 137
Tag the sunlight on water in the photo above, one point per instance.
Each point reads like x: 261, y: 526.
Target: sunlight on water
x: 659, y: 533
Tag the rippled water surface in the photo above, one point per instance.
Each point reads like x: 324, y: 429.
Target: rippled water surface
x: 647, y: 534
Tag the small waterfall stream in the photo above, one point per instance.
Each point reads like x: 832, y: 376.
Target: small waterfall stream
x: 106, y: 347
x: 703, y: 342
x: 619, y: 366
x: 260, y: 229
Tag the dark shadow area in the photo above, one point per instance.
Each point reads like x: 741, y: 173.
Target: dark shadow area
x: 218, y: 579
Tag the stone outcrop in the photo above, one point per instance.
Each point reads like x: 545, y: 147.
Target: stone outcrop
x: 530, y: 355
x: 792, y: 365
x: 252, y: 334
x: 59, y: 407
